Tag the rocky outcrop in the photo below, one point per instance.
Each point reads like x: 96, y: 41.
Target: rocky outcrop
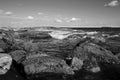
x: 83, y: 52
x: 65, y: 52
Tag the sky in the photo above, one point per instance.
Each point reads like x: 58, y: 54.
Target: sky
x: 82, y: 13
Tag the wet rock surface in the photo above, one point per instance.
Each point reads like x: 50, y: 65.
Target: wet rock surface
x: 71, y: 55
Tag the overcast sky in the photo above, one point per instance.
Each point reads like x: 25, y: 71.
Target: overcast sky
x: 60, y: 12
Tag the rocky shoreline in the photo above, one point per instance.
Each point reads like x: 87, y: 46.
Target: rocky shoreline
x: 77, y: 55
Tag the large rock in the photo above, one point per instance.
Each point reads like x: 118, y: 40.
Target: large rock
x: 43, y: 63
x: 111, y: 45
x: 89, y: 49
x: 5, y: 63
x: 91, y: 54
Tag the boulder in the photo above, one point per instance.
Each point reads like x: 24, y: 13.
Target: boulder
x: 39, y: 64
x: 5, y: 63
x: 89, y: 50
x: 91, y: 54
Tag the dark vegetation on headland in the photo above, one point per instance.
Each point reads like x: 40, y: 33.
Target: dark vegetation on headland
x: 99, y: 28
x: 61, y: 53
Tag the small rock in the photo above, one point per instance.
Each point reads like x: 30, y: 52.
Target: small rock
x: 76, y: 63
x: 95, y: 69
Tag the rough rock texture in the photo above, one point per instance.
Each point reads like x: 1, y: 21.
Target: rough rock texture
x: 91, y: 49
x: 57, y: 48
x: 44, y: 63
x: 76, y: 63
x: 18, y: 55
x: 84, y: 53
x: 5, y: 63
x: 3, y: 45
x: 92, y: 54
x: 111, y: 45
x: 72, y: 54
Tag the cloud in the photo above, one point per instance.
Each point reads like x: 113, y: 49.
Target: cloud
x: 66, y: 20
x: 73, y: 19
x: 113, y: 3
x: 40, y: 13
x: 58, y: 20
x: 30, y: 17
x: 8, y: 13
